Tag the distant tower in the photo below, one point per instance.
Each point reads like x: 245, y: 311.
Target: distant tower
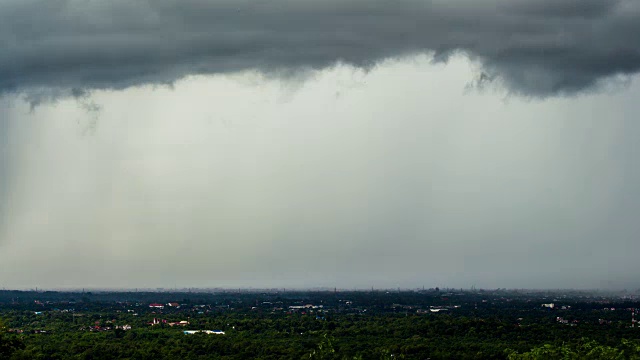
x: 633, y: 317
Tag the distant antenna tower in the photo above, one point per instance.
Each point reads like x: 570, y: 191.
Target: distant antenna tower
x: 633, y: 317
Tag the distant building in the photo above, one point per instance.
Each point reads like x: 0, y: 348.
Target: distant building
x: 179, y: 323
x: 157, y: 306
x: 157, y: 321
x: 308, y: 306
x: 209, y: 332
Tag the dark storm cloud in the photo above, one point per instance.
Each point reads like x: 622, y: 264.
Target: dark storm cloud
x: 537, y: 47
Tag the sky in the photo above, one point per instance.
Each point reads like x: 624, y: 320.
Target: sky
x: 319, y: 143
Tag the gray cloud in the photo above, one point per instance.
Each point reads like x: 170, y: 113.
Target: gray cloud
x: 404, y: 180
x: 535, y: 47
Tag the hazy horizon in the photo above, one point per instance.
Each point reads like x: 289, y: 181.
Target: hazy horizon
x: 252, y: 289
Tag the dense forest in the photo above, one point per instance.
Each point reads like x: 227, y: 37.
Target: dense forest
x: 429, y: 324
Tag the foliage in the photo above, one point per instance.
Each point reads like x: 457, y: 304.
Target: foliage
x: 9, y: 344
x: 372, y: 326
x: 584, y: 349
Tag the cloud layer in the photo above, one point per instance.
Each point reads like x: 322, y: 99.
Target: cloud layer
x: 535, y: 47
x: 401, y: 180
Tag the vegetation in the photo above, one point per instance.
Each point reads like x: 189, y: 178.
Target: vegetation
x: 324, y: 325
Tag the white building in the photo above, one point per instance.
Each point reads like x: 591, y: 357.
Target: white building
x: 209, y: 332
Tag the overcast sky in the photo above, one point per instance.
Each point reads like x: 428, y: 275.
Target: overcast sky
x: 348, y: 143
